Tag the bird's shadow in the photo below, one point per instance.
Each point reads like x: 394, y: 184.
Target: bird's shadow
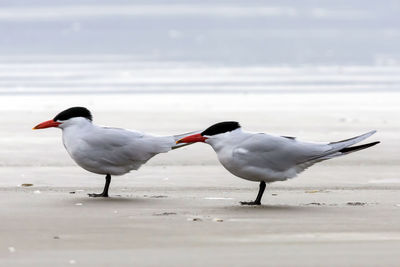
x: 268, y: 208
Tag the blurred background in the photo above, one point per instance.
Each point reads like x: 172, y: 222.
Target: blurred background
x: 199, y: 46
x: 352, y: 32
x: 321, y: 70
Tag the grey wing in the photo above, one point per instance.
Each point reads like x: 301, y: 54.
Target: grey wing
x: 122, y: 147
x: 281, y: 153
x: 277, y: 153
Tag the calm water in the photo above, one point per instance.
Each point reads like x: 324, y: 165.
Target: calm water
x: 123, y: 74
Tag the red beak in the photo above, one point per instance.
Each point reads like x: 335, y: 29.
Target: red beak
x: 46, y: 124
x: 192, y: 139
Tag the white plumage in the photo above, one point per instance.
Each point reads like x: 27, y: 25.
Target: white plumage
x: 105, y: 150
x: 267, y: 158
x: 114, y: 151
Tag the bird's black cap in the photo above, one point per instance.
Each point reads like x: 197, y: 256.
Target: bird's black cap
x: 222, y: 127
x: 72, y: 113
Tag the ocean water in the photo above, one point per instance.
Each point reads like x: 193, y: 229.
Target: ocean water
x: 55, y: 47
x: 123, y: 74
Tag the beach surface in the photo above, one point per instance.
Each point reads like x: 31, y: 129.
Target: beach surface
x: 182, y: 208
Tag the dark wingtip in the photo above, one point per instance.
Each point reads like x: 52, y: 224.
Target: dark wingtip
x: 360, y: 147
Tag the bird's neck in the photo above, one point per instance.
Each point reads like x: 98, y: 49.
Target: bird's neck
x: 77, y: 130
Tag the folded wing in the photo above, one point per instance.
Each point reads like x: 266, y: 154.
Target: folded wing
x: 282, y: 153
x: 123, y: 148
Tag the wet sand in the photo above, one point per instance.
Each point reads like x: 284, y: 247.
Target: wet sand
x: 182, y: 209
x: 173, y: 216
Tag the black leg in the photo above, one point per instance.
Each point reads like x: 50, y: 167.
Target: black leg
x: 259, y: 196
x: 105, y: 190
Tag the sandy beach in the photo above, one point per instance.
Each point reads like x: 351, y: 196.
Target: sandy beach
x: 182, y: 208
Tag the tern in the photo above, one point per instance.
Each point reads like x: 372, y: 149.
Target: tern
x: 105, y: 150
x: 267, y: 158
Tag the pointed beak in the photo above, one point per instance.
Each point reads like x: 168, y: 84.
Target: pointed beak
x: 46, y: 124
x: 192, y: 139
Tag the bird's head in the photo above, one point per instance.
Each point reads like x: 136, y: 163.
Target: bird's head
x: 215, y: 132
x: 67, y: 117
